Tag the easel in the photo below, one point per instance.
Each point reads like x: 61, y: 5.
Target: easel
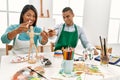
x: 41, y: 11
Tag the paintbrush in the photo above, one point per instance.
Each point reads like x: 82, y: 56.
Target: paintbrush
x: 101, y: 43
x: 105, y: 47
x: 37, y: 73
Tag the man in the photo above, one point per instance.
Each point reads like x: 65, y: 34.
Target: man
x: 69, y: 33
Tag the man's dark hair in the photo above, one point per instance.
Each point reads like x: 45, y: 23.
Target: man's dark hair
x: 67, y: 9
x: 25, y: 9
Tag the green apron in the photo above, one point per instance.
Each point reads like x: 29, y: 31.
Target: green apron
x: 67, y: 39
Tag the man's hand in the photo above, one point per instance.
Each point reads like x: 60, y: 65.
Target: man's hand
x: 95, y: 52
x: 51, y: 32
x: 44, y: 37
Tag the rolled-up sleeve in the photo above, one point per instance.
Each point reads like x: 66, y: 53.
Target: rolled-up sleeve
x: 4, y: 37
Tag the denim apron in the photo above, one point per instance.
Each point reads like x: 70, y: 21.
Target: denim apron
x: 67, y: 39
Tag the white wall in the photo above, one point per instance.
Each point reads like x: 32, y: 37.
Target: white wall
x: 96, y: 19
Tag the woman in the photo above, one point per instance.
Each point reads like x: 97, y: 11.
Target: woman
x: 18, y: 32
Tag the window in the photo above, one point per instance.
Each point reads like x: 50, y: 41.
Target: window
x: 14, y: 18
x: 17, y: 5
x: 3, y: 24
x: 3, y: 5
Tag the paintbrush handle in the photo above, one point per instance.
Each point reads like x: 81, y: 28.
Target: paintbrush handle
x: 105, y: 52
x: 101, y: 43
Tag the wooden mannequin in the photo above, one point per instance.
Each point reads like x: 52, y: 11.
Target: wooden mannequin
x: 32, y: 44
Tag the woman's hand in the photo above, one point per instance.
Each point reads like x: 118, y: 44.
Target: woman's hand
x: 23, y: 27
x: 44, y: 37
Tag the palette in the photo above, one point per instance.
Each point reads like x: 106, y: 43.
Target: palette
x: 29, y: 74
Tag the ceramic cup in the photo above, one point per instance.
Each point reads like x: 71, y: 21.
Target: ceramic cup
x: 67, y: 66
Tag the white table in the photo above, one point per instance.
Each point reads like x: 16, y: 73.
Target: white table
x: 7, y: 70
